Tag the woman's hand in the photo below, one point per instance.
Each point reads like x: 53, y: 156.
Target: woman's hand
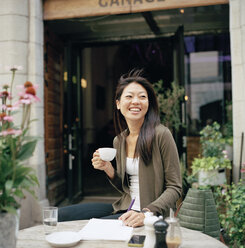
x: 100, y: 164
x: 132, y: 218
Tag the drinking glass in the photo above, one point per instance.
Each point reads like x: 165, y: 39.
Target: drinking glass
x: 50, y: 219
x: 173, y: 237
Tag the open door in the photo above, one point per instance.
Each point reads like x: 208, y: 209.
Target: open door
x: 73, y: 122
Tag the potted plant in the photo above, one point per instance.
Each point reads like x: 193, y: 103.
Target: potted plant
x: 230, y: 200
x: 210, y: 166
x: 210, y: 170
x: 16, y: 146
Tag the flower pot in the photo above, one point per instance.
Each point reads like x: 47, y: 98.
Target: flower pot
x: 213, y: 177
x: 7, y: 230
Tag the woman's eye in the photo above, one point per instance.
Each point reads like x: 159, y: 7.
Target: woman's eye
x: 128, y: 96
x: 143, y: 96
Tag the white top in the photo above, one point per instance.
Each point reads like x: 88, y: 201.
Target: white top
x: 132, y: 169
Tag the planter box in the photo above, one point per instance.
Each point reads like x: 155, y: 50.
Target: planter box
x: 7, y: 230
x: 214, y: 177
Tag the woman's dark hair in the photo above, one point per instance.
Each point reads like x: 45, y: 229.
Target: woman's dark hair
x: 147, y: 132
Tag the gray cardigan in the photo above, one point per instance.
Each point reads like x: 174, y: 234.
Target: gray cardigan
x: 159, y: 182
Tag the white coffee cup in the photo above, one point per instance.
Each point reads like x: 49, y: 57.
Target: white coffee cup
x: 107, y: 153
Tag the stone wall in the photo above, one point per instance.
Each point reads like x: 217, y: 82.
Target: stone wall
x: 21, y: 43
x: 237, y: 34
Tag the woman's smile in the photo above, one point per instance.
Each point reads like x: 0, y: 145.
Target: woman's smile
x: 137, y: 110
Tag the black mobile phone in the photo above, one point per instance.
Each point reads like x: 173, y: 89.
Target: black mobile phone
x: 136, y: 241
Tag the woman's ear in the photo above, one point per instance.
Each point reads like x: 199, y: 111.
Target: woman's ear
x: 118, y: 104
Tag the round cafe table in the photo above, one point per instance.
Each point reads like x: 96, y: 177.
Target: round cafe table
x: 35, y: 237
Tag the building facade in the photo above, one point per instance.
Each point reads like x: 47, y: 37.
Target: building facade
x: 34, y: 36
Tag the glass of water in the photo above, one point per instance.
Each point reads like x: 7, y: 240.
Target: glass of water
x: 50, y: 219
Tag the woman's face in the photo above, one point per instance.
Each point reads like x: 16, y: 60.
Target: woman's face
x: 134, y: 102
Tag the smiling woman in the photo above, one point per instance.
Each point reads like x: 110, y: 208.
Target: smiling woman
x: 147, y: 163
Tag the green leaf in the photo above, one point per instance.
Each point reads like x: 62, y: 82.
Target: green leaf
x: 19, y: 193
x: 10, y: 209
x: 8, y: 186
x: 27, y: 150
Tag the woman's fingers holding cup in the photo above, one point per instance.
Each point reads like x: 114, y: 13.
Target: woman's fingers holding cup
x: 98, y: 163
x: 101, y: 158
x: 96, y: 158
x: 96, y: 154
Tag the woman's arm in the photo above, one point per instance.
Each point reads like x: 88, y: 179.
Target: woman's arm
x: 171, y: 171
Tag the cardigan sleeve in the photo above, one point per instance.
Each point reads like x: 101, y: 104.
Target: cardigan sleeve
x: 117, y: 180
x: 172, y: 183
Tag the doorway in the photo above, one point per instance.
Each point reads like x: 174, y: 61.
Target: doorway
x: 163, y: 59
x: 92, y: 75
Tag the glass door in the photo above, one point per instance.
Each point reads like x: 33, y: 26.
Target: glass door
x: 208, y: 85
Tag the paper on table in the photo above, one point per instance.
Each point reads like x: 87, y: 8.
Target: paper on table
x: 104, y: 229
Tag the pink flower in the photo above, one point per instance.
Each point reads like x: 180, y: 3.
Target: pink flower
x: 10, y: 107
x: 10, y: 131
x: 28, y: 93
x: 28, y: 98
x: 225, y: 153
x: 31, y: 90
x: 25, y: 100
x: 4, y: 94
x: 8, y: 118
x: 26, y: 85
x: 2, y: 115
x: 223, y: 191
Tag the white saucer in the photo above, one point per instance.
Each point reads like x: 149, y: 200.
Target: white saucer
x: 63, y: 239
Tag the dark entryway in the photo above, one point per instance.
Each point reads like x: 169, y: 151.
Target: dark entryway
x: 92, y: 75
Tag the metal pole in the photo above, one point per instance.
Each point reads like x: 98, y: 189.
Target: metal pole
x: 240, y: 167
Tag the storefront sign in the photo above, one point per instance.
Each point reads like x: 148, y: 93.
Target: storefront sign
x: 63, y: 9
x: 111, y: 3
